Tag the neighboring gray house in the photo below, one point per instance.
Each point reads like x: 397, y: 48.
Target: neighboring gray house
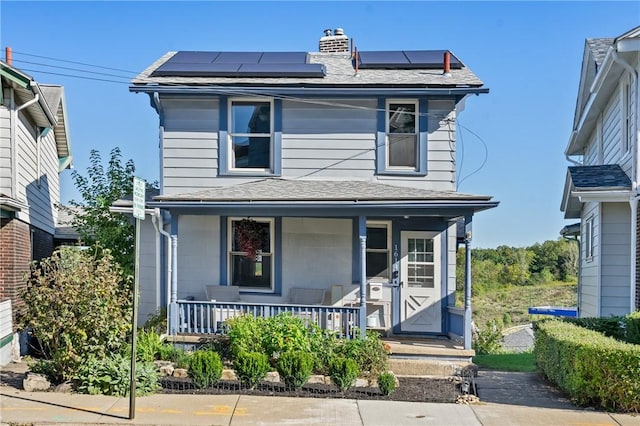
x: 345, y: 164
x: 34, y: 149
x: 601, y: 187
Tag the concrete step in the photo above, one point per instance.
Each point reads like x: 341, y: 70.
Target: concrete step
x: 426, y: 367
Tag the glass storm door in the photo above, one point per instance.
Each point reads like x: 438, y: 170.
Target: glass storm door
x: 420, y: 291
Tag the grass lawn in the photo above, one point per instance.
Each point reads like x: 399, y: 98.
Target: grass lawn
x: 523, y: 362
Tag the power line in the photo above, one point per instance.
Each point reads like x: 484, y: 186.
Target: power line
x: 74, y: 62
x: 74, y: 76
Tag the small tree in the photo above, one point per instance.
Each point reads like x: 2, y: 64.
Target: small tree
x: 95, y: 223
x: 77, y: 308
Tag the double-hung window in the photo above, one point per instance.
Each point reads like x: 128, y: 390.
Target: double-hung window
x: 378, y: 251
x: 402, y: 135
x: 251, y: 270
x: 251, y: 135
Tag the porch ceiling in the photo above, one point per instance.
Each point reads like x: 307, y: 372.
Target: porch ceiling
x: 331, y: 196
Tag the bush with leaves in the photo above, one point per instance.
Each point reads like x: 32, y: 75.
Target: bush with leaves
x: 205, y: 368
x: 78, y: 305
x: 343, y: 372
x: 251, y: 367
x: 149, y: 345
x: 369, y: 353
x: 246, y: 334
x: 489, y: 340
x: 295, y: 368
x: 112, y: 375
x: 387, y: 382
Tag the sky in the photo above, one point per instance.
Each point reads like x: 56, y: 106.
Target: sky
x: 511, y: 141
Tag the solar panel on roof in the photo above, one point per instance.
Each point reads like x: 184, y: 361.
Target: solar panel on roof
x: 192, y: 57
x: 283, y: 58
x: 405, y: 59
x: 238, y: 58
x: 195, y: 70
x: 282, y: 70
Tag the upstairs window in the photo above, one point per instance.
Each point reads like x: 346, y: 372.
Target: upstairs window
x: 251, y: 135
x: 402, y: 135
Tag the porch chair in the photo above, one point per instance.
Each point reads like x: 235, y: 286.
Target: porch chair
x: 306, y: 296
x: 222, y: 293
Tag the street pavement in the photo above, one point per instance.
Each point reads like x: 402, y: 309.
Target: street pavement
x: 505, y: 399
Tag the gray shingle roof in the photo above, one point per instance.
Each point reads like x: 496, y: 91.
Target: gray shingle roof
x: 340, y: 72
x: 275, y: 189
x: 599, y: 48
x: 608, y: 176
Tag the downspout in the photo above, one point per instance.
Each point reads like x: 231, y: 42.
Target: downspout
x: 157, y: 217
x: 633, y: 200
x: 12, y: 137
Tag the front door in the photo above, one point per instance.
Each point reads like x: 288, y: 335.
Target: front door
x: 420, y: 291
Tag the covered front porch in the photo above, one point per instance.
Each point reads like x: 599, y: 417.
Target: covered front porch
x: 346, y: 256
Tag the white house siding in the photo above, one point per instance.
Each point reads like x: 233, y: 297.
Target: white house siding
x: 5, y: 146
x: 149, y: 299
x: 590, y: 279
x: 190, y: 144
x: 616, y: 246
x: 39, y: 189
x: 198, y: 254
x: 612, y: 130
x: 333, y: 138
x: 591, y: 151
x: 316, y: 253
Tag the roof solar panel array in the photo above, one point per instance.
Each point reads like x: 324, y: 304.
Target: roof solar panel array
x: 239, y: 64
x: 405, y: 59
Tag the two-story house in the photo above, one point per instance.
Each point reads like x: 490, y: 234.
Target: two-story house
x: 321, y: 183
x: 601, y: 188
x: 34, y: 149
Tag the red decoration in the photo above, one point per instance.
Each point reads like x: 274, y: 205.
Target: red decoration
x: 249, y: 235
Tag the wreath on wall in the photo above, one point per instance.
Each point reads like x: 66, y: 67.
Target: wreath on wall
x: 249, y: 236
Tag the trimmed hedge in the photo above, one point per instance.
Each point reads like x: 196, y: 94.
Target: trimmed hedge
x: 625, y: 328
x: 592, y: 368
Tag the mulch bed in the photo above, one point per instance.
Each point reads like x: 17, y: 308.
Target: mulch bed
x: 417, y: 389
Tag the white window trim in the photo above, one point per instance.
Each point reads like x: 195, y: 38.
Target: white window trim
x: 230, y: 253
x: 382, y: 224
x: 416, y: 133
x: 589, y: 239
x: 231, y: 134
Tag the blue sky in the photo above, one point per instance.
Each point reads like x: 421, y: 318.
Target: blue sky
x: 528, y: 53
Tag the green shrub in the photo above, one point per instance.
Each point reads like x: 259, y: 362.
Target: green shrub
x: 246, y: 334
x: 612, y: 326
x: 387, y: 382
x: 295, y: 368
x: 632, y: 328
x: 489, y: 340
x: 343, y: 372
x: 590, y: 367
x: 251, y: 367
x: 149, y: 345
x: 178, y: 356
x: 324, y: 347
x: 157, y: 321
x: 285, y: 333
x: 205, y: 368
x: 78, y: 305
x: 111, y: 376
x: 369, y: 353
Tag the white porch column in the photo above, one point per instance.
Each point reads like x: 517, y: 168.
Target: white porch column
x: 173, y: 301
x: 362, y: 231
x: 467, y: 283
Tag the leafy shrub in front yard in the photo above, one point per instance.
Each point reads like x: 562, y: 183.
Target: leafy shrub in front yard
x: 78, y: 305
x: 387, y: 382
x: 111, y: 376
x: 343, y: 372
x: 246, y: 334
x: 590, y: 367
x: 149, y: 345
x: 369, y: 353
x: 285, y: 332
x: 489, y: 340
x: 622, y: 327
x: 295, y: 367
x: 632, y: 328
x: 251, y: 367
x: 205, y: 368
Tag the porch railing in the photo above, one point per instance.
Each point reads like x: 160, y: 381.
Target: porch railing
x: 202, y: 317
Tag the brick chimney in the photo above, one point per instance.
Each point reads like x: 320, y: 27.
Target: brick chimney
x: 336, y: 42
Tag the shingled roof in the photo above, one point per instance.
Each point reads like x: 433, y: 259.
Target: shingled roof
x: 275, y: 189
x: 599, y: 48
x: 608, y: 176
x: 339, y: 72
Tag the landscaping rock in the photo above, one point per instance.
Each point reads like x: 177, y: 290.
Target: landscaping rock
x: 35, y: 382
x: 180, y: 372
x: 272, y: 377
x: 166, y: 370
x: 66, y: 387
x: 318, y: 378
x: 361, y: 383
x: 229, y: 374
x: 159, y: 364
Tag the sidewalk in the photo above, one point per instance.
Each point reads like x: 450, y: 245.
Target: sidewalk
x: 506, y: 399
